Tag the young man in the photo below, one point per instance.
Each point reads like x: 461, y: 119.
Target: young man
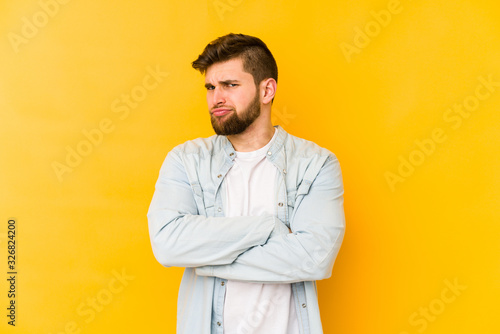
x: 254, y: 214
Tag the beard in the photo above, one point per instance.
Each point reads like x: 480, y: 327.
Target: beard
x: 233, y: 123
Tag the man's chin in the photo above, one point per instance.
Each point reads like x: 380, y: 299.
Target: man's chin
x: 219, y: 125
x: 221, y: 131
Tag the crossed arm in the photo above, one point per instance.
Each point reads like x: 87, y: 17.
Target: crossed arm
x: 251, y: 248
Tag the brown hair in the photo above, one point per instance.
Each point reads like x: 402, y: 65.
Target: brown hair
x: 257, y: 59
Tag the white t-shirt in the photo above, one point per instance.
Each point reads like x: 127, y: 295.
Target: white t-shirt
x: 254, y: 307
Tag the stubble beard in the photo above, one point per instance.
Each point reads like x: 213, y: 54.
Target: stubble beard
x: 234, y: 124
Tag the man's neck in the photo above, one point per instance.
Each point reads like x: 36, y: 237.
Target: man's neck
x: 253, y: 138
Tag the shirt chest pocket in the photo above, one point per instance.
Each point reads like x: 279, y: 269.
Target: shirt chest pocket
x: 205, y: 199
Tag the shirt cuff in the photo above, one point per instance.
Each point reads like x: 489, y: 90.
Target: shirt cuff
x: 279, y: 228
x: 205, y: 271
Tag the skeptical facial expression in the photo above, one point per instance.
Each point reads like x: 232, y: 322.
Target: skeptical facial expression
x: 232, y: 97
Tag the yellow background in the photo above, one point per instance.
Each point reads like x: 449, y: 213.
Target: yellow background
x: 403, y: 242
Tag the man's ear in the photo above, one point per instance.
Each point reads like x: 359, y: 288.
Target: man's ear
x: 267, y: 90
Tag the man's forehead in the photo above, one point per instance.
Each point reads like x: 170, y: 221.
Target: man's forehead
x: 228, y: 70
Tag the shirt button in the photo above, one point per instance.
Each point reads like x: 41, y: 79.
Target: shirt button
x: 269, y: 153
x: 231, y: 154
x: 219, y: 209
x: 304, y: 305
x: 280, y: 204
x: 284, y: 171
x: 222, y: 283
x: 218, y: 323
x: 219, y: 176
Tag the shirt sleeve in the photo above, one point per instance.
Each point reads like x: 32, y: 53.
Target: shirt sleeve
x: 181, y: 237
x: 307, y: 254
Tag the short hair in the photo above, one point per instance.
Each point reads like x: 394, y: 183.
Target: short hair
x: 256, y: 57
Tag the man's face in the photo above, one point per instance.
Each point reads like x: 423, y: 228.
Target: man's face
x: 232, y: 97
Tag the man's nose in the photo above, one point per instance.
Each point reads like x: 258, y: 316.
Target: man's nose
x: 218, y: 96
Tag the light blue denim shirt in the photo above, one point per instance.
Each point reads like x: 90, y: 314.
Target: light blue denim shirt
x: 188, y: 228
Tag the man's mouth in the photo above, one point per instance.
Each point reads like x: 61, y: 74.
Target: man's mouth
x: 221, y: 111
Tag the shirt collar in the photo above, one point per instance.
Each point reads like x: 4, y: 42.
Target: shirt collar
x: 274, y: 148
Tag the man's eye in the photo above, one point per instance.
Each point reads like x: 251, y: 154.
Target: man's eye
x: 232, y: 85
x: 210, y: 88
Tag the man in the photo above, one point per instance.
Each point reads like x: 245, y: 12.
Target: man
x: 254, y: 214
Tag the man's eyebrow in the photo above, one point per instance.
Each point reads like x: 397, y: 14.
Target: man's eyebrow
x: 224, y: 82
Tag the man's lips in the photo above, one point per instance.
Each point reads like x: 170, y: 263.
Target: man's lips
x: 221, y: 111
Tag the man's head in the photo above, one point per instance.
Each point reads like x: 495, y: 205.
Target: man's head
x: 240, y: 77
x: 256, y: 57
